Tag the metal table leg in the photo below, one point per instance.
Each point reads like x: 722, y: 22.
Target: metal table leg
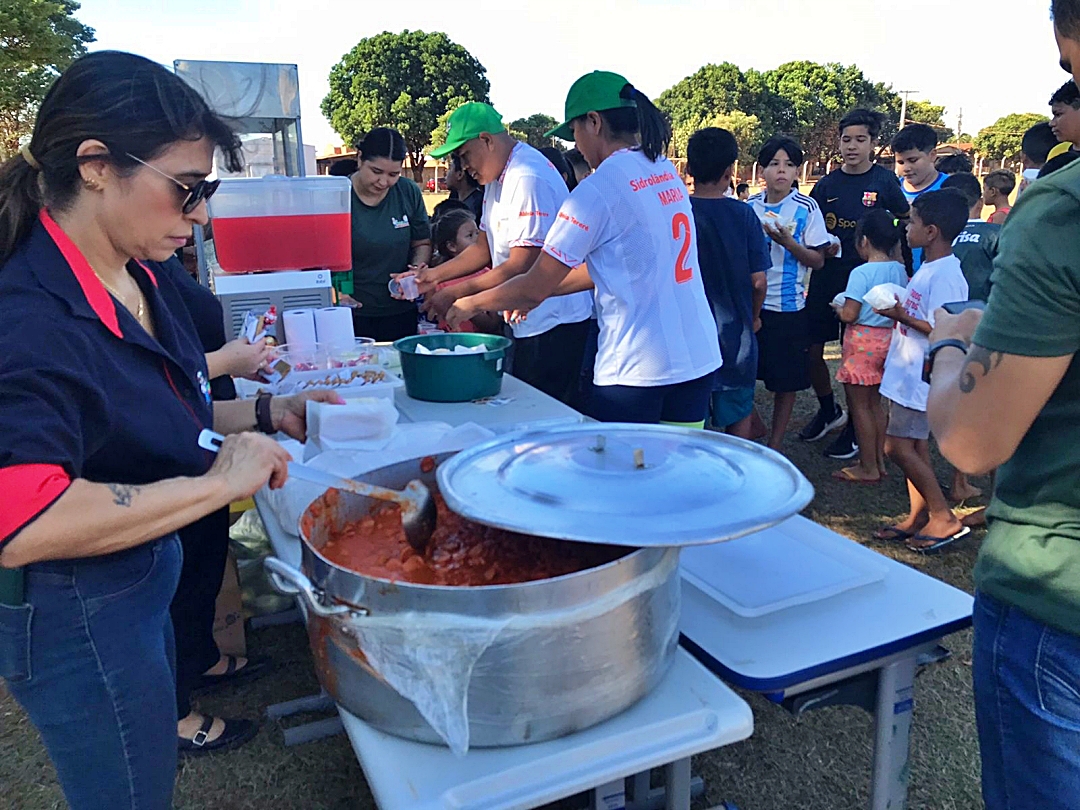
x: 677, y: 782
x: 892, y: 729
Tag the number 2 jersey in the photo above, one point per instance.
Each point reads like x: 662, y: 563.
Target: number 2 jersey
x: 631, y: 223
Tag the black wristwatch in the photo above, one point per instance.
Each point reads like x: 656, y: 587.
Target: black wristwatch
x: 263, y: 422
x: 931, y: 353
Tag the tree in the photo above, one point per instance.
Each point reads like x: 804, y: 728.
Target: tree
x: 746, y: 129
x: 1001, y: 140
x: 713, y: 89
x: 532, y: 129
x: 809, y: 99
x: 38, y: 39
x: 923, y: 112
x: 406, y: 81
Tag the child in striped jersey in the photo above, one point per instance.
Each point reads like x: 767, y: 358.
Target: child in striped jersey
x: 797, y: 237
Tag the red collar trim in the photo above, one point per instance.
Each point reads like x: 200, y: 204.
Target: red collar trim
x: 149, y: 272
x: 96, y: 295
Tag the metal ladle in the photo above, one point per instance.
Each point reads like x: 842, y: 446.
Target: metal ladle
x: 417, y: 506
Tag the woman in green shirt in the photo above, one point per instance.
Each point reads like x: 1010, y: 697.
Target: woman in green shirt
x: 390, y: 232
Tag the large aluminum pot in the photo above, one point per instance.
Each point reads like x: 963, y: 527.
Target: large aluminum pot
x: 597, y: 641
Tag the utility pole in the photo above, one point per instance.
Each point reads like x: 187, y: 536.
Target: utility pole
x: 959, y: 125
x: 903, y: 105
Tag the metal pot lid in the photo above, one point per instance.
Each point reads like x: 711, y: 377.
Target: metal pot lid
x: 625, y: 484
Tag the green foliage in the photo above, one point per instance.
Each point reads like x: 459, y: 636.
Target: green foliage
x: 532, y: 129
x: 923, y: 112
x: 1001, y: 140
x: 713, y: 89
x: 746, y: 129
x: 38, y: 39
x: 803, y: 99
x: 407, y: 81
x: 810, y: 100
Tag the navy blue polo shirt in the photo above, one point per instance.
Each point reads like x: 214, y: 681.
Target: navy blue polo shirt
x: 731, y: 248
x: 85, y: 392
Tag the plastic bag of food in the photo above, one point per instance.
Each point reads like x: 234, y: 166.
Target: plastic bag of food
x: 885, y: 296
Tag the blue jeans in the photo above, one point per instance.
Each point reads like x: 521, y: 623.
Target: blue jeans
x: 1027, y: 706
x: 90, y: 658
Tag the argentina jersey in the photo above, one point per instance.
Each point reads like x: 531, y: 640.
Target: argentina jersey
x: 786, y: 278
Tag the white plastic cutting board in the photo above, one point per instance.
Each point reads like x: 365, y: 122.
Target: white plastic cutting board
x: 776, y: 569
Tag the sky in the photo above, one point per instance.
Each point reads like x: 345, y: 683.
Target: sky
x: 988, y: 59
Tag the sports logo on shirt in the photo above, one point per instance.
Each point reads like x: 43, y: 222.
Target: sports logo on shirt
x: 400, y: 223
x: 204, y: 387
x: 869, y: 198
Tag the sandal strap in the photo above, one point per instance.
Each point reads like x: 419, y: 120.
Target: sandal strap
x: 201, y: 736
x: 230, y: 665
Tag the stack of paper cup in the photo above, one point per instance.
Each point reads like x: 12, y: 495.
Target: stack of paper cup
x: 299, y: 329
x: 334, y: 328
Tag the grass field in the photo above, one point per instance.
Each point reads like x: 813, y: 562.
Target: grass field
x: 818, y: 762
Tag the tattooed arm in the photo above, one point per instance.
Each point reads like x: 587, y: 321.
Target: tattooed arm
x: 90, y: 519
x: 983, y: 403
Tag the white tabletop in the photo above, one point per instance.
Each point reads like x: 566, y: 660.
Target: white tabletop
x: 518, y: 405
x: 690, y: 712
x: 902, y: 610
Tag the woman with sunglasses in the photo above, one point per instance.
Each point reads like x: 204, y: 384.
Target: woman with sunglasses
x: 103, y: 396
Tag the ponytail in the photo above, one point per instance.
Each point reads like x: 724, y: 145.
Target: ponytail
x: 20, y: 201
x: 905, y: 250
x: 653, y: 126
x: 642, y: 120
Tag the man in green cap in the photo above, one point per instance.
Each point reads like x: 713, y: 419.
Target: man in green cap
x: 522, y: 194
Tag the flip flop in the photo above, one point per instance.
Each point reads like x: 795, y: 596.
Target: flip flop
x: 891, y: 534
x: 938, y: 543
x: 846, y: 476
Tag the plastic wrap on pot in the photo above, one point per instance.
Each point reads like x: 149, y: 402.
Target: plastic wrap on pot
x: 432, y: 658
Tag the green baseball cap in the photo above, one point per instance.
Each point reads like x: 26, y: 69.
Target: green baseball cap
x: 469, y: 121
x: 594, y: 91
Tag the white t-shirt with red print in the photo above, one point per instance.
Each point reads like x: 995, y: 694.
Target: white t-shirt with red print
x: 519, y: 208
x: 934, y: 283
x: 631, y: 223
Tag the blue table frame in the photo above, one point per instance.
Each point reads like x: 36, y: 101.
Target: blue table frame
x: 862, y: 646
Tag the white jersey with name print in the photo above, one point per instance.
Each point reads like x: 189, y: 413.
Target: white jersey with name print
x: 787, y: 276
x: 519, y: 208
x: 631, y: 223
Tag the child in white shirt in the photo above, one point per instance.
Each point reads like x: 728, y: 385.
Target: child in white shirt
x: 937, y: 217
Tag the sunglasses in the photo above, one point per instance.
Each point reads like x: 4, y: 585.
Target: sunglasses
x: 200, y: 192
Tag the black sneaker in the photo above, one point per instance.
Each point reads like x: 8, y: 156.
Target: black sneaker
x: 821, y: 424
x: 844, y: 447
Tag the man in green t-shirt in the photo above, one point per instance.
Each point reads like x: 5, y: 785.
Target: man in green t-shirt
x: 1005, y: 393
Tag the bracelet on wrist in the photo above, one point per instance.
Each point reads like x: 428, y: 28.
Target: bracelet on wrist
x: 264, y: 423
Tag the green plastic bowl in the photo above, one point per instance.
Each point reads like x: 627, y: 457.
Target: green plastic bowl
x: 452, y: 378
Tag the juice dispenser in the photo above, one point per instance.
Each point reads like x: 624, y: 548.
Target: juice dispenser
x: 282, y: 223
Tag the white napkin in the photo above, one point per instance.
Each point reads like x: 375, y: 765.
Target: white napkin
x: 409, y: 441
x: 364, y: 423
x: 884, y: 296
x: 422, y: 349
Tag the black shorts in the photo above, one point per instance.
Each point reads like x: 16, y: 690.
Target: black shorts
x: 551, y: 361
x: 822, y: 325
x: 783, y: 357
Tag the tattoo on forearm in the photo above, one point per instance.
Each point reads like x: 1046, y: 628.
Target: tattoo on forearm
x: 984, y: 359
x: 122, y: 493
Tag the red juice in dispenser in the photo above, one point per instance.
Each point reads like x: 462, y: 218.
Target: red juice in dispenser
x: 282, y: 223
